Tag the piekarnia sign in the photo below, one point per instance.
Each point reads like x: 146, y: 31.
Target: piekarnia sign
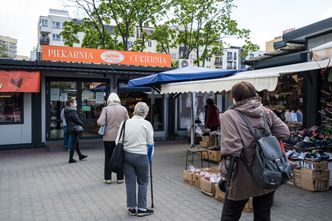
x: 101, y: 56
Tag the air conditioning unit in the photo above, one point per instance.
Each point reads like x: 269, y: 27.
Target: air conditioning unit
x: 184, y: 63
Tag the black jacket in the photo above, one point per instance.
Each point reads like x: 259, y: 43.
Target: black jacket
x: 72, y: 118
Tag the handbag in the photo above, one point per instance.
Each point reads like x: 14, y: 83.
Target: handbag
x: 102, y: 129
x: 78, y: 128
x: 116, y: 162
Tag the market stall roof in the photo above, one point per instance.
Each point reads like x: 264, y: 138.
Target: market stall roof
x: 180, y: 75
x: 263, y: 79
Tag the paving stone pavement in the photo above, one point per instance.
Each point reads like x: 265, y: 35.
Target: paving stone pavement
x: 38, y: 185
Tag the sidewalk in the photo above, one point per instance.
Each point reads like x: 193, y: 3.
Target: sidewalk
x: 39, y: 185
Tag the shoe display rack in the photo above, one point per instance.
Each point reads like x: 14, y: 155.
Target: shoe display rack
x: 287, y: 96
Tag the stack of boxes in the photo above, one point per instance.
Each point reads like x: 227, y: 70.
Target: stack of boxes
x: 312, y: 176
x: 315, y: 176
x: 213, y: 153
x: 208, y: 183
x: 207, y: 141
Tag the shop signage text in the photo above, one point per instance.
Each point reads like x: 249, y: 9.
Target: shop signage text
x: 100, y: 56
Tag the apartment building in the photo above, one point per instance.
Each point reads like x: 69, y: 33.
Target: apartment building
x: 8, y: 47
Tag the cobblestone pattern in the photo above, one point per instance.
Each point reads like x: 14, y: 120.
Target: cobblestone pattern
x: 37, y: 185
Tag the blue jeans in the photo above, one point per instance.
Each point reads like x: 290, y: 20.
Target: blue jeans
x: 136, y: 168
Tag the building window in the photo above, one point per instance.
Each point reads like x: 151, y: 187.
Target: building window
x: 56, y: 37
x: 56, y: 25
x: 229, y: 65
x: 150, y: 44
x: 11, y: 108
x: 251, y: 56
x: 229, y: 55
x: 44, y: 23
x: 235, y: 56
x: 174, y: 56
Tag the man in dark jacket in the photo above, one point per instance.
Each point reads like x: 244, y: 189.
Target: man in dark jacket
x: 73, y: 120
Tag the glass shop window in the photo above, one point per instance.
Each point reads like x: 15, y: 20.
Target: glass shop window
x: 11, y: 108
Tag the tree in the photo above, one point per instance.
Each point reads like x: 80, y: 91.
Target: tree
x: 93, y: 26
x: 126, y: 14
x: 3, y: 51
x: 165, y: 37
x: 201, y: 25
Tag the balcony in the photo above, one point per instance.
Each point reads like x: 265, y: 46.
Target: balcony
x: 45, y: 41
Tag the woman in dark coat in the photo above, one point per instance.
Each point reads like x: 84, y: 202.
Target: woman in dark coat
x: 73, y: 120
x: 212, y: 120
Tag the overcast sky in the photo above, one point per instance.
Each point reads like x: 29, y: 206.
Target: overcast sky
x: 265, y: 18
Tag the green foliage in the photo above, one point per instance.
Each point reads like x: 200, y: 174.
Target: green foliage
x: 3, y: 52
x: 198, y: 26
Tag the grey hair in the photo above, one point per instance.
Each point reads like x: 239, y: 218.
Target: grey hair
x: 113, y: 98
x: 141, y: 109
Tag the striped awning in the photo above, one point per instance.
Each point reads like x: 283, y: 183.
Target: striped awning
x: 263, y: 79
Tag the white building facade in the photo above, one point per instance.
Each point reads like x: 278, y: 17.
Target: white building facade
x: 8, y: 47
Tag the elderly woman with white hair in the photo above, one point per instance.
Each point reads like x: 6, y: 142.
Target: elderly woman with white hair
x: 138, y: 138
x: 112, y: 115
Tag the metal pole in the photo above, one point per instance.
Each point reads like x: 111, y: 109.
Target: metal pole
x: 193, y: 113
x: 151, y: 184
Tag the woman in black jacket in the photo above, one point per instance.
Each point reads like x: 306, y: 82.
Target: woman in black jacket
x: 73, y: 120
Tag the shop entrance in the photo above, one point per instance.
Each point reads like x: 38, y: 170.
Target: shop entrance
x: 90, y: 96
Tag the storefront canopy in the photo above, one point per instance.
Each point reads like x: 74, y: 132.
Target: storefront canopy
x: 180, y: 75
x: 263, y: 79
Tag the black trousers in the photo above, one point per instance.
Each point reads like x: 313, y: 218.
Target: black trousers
x: 109, y: 147
x: 75, y: 145
x: 262, y: 208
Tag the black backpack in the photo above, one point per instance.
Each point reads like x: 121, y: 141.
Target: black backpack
x: 269, y: 167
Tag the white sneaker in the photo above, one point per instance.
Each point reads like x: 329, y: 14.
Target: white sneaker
x: 108, y: 181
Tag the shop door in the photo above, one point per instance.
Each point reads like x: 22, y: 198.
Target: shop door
x: 59, y: 92
x: 93, y: 99
x: 90, y: 96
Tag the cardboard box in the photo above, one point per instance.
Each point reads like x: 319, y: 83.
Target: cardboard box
x: 214, y: 155
x: 219, y: 195
x: 315, y: 185
x: 205, y: 155
x: 248, y: 208
x: 187, y: 176
x: 313, y: 165
x: 298, y: 182
x: 196, y: 179
x: 206, y: 144
x: 207, y: 187
x: 210, y: 139
x: 297, y: 172
x: 314, y: 174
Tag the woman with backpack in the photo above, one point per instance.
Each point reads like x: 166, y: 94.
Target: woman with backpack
x: 236, y: 140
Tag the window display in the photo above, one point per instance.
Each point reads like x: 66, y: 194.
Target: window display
x: 11, y: 108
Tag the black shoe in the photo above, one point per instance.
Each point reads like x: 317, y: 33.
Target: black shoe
x: 82, y: 157
x: 72, y: 161
x: 132, y: 212
x: 147, y: 212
